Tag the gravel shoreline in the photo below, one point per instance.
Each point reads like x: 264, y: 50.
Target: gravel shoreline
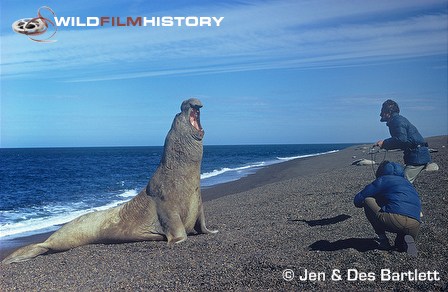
x: 298, y: 215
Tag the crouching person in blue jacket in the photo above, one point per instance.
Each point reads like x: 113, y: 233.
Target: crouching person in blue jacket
x: 392, y: 204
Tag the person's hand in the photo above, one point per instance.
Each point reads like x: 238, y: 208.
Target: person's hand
x: 379, y: 143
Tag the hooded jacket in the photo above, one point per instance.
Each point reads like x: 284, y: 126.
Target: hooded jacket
x: 406, y: 137
x: 393, y: 193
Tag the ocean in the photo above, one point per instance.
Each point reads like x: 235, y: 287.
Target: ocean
x: 42, y: 188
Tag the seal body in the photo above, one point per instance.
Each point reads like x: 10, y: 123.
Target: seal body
x: 169, y: 208
x: 363, y: 161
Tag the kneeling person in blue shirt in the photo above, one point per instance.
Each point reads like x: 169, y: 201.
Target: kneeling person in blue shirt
x: 392, y: 204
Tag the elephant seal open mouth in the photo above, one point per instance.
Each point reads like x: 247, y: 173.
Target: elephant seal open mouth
x: 195, y: 115
x: 195, y: 120
x: 169, y: 208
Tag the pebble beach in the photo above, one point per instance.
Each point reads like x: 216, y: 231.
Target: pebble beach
x: 289, y: 227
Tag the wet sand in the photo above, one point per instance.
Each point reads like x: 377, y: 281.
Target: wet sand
x: 297, y: 215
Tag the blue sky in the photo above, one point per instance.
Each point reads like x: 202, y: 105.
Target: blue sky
x: 273, y: 72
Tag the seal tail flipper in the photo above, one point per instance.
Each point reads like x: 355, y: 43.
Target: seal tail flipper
x: 200, y: 226
x: 25, y: 253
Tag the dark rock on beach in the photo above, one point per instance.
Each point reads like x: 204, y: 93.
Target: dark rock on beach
x: 291, y: 219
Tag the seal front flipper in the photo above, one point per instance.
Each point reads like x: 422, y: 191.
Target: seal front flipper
x: 174, y: 229
x: 25, y: 253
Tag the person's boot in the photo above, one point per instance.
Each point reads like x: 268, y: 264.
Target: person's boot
x: 411, y: 247
x: 383, y: 242
x: 400, y: 244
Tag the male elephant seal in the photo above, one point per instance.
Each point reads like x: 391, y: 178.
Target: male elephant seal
x: 169, y: 208
x: 363, y: 161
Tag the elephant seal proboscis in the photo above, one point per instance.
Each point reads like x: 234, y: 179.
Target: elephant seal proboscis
x: 169, y: 208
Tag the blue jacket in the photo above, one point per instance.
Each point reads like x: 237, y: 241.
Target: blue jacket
x: 393, y: 193
x: 406, y: 137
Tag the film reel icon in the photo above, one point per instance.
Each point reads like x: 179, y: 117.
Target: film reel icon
x: 36, y: 26
x: 29, y: 26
